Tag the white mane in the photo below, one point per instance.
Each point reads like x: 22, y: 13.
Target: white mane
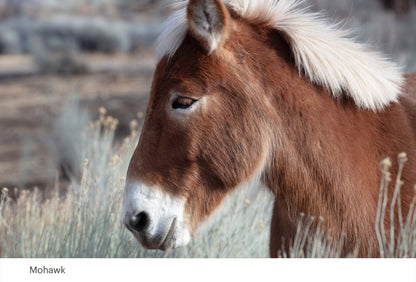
x: 322, y: 51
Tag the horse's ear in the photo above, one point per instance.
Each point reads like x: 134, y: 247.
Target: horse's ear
x: 208, y: 21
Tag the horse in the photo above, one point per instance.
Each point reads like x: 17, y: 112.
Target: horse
x: 266, y: 92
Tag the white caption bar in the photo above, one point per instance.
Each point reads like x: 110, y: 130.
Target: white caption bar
x: 253, y: 270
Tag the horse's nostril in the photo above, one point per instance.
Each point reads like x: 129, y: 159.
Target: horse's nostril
x: 140, y: 221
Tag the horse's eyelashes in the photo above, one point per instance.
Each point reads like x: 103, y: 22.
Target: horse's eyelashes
x: 183, y: 103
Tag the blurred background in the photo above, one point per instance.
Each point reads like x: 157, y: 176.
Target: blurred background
x: 61, y: 61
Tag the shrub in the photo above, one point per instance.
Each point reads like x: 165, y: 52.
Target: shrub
x: 85, y: 220
x: 59, y: 57
x: 9, y: 42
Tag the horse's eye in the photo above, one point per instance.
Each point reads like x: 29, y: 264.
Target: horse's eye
x: 183, y: 103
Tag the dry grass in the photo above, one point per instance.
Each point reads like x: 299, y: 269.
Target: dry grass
x: 85, y: 220
x: 405, y: 246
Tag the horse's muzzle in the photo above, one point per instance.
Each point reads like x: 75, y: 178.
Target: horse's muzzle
x: 162, y: 237
x: 154, y: 217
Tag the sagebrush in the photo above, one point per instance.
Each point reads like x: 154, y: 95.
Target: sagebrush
x: 83, y: 221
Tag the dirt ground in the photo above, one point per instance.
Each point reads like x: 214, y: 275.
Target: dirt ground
x: 30, y: 102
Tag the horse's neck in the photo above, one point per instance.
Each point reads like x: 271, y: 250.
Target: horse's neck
x: 319, y: 150
x: 324, y: 159
x: 327, y: 154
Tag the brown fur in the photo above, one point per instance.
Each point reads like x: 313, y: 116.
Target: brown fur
x: 322, y: 154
